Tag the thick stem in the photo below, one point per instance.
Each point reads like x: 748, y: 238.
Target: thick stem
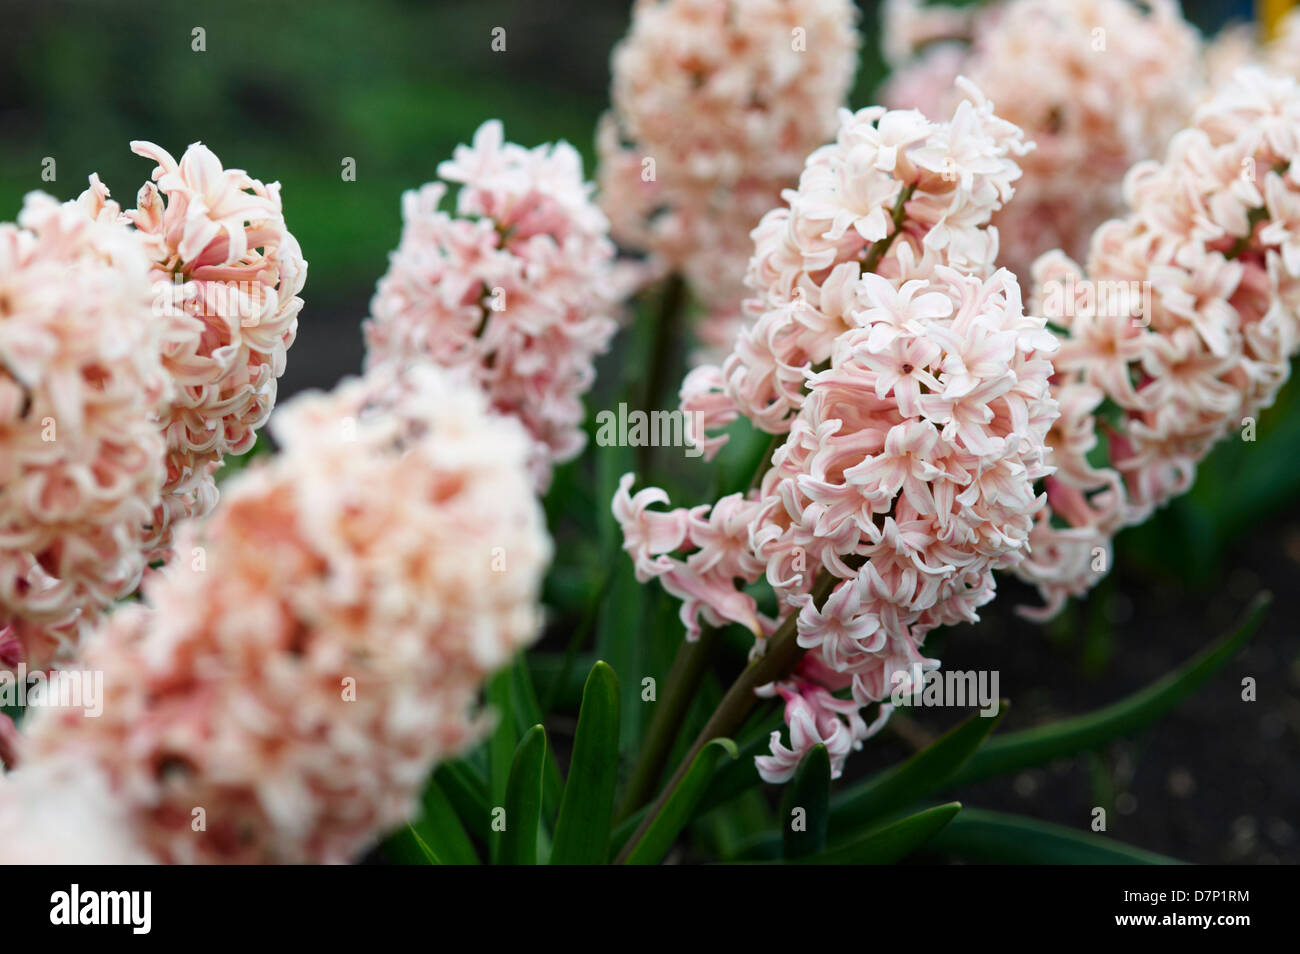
x: 692, y: 658
x: 692, y: 662
x: 667, y: 332
x: 782, y: 654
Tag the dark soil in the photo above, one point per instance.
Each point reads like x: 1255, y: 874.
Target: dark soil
x: 1215, y: 781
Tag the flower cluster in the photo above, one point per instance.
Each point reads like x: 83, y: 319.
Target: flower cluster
x: 228, y: 274
x: 1150, y: 380
x: 896, y: 195
x: 325, y: 639
x: 914, y: 393
x: 81, y: 386
x: 1097, y: 84
x: 917, y: 452
x: 518, y: 287
x: 719, y: 102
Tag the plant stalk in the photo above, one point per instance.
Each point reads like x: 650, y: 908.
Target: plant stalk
x: 782, y: 654
x: 690, y: 665
x: 667, y: 331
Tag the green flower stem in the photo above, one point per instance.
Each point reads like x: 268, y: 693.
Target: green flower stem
x: 692, y: 662
x: 782, y: 654
x: 667, y: 331
x: 692, y: 658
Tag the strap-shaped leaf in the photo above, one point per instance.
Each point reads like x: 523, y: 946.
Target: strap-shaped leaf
x: 429, y: 857
x: 586, y: 808
x: 436, y: 837
x: 620, y: 642
x: 926, y: 772
x: 734, y: 778
x: 1014, y: 839
x: 467, y: 792
x: 680, y: 806
x: 805, y: 806
x: 528, y: 713
x: 524, y: 800
x: 1018, y: 750
x: 501, y: 744
x: 889, y: 843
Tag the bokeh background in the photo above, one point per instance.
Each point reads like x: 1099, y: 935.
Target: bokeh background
x: 290, y: 88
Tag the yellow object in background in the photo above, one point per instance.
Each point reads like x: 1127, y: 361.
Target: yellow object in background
x: 1269, y: 13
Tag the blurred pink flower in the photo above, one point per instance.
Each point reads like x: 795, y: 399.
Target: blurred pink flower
x: 1210, y: 238
x: 325, y: 638
x: 716, y: 104
x: 1096, y: 84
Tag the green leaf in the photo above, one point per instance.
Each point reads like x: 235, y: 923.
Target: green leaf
x: 429, y: 857
x: 925, y: 773
x: 620, y: 641
x: 809, y: 791
x: 442, y: 830
x: 611, y: 464
x: 524, y: 800
x: 467, y: 793
x: 528, y: 713
x: 727, y: 830
x: 523, y: 701
x: 626, y: 829
x: 501, y: 744
x: 680, y: 806
x: 582, y: 830
x: 1013, y: 839
x: 889, y: 843
x: 734, y: 778
x: 1018, y: 750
